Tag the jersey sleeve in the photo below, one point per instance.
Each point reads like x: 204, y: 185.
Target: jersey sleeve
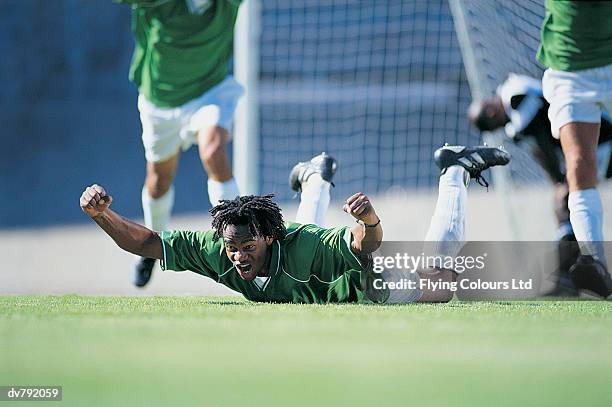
x: 334, y: 249
x: 196, y: 251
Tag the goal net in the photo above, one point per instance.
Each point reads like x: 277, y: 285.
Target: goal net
x: 499, y: 37
x: 377, y: 84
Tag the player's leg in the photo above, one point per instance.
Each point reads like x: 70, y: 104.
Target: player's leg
x: 314, y: 180
x: 158, y: 192
x: 212, y: 146
x: 546, y: 152
x: 157, y: 202
x: 575, y: 115
x: 446, y: 234
x: 210, y: 125
x: 579, y: 142
x: 161, y: 141
x: 457, y: 164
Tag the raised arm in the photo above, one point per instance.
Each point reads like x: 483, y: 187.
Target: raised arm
x: 128, y: 235
x: 368, y: 234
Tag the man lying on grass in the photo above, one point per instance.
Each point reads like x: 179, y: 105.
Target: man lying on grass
x: 253, y: 251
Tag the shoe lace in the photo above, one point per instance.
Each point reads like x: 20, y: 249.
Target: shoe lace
x: 481, y: 180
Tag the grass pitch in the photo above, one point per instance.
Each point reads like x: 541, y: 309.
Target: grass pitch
x: 226, y: 351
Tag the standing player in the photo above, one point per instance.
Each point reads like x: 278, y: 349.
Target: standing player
x: 180, y: 65
x: 519, y: 106
x: 252, y: 251
x: 576, y: 46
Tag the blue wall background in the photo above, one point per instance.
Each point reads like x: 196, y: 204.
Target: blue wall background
x: 68, y: 114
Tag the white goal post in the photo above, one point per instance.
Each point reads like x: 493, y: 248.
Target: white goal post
x: 246, y: 124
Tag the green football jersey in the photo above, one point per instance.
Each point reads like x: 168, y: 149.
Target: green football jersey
x: 180, y: 53
x: 576, y: 35
x: 311, y: 265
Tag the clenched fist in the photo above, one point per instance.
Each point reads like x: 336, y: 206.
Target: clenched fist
x: 95, y: 200
x: 360, y: 207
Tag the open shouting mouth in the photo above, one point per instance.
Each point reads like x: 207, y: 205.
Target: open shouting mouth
x: 245, y: 270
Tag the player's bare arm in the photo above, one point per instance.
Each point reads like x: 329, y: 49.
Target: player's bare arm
x: 128, y: 235
x: 368, y: 234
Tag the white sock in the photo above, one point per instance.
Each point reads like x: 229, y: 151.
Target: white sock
x: 218, y: 191
x: 447, y: 227
x: 586, y: 215
x: 157, y: 211
x: 314, y: 201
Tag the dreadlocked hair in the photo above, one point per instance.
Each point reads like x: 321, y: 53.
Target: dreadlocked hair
x: 263, y: 216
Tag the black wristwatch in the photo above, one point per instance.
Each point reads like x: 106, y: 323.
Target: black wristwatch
x: 368, y: 225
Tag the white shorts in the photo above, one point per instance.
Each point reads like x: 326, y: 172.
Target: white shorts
x: 166, y: 130
x: 579, y: 96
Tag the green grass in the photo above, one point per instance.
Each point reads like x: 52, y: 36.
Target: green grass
x: 226, y: 351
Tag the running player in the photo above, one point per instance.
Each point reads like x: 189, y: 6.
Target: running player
x: 576, y: 46
x: 519, y: 106
x: 186, y: 96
